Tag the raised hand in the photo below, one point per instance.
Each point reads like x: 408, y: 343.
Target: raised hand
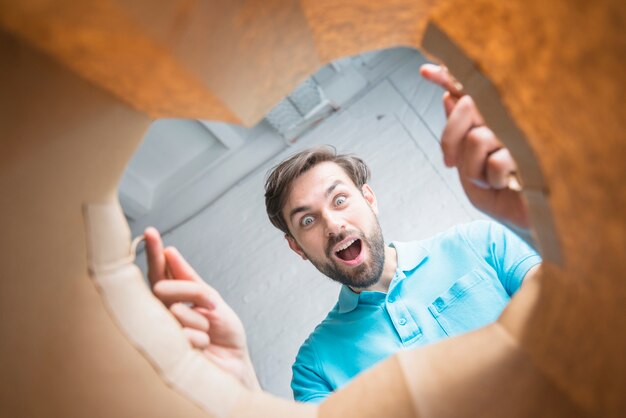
x: 208, y: 322
x: 486, y: 168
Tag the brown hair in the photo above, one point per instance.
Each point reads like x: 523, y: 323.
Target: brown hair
x: 280, y: 178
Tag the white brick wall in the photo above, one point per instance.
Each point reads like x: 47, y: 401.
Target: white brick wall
x: 280, y: 298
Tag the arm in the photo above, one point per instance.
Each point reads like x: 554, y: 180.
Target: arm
x: 532, y: 274
x: 208, y: 322
x: 485, y: 170
x: 485, y: 166
x: 511, y: 258
x: 307, y: 383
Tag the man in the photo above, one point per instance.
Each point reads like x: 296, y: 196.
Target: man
x: 400, y: 296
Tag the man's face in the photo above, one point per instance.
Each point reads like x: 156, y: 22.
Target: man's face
x: 334, y: 225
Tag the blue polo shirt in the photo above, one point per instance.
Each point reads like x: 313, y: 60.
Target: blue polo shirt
x: 450, y: 284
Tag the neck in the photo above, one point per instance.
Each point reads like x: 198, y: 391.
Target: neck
x: 389, y: 270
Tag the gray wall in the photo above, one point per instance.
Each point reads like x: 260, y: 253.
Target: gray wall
x: 393, y: 124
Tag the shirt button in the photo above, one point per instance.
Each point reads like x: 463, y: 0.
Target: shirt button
x: 391, y: 299
x: 402, y: 321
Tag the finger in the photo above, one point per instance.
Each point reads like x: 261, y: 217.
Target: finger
x: 439, y: 74
x: 478, y: 145
x: 203, y: 311
x: 449, y: 102
x: 464, y: 116
x: 173, y: 291
x: 500, y: 166
x: 179, y: 267
x: 515, y: 183
x: 198, y: 339
x: 157, y: 269
x: 189, y: 318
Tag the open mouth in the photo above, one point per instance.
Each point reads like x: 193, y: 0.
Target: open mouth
x: 350, y: 250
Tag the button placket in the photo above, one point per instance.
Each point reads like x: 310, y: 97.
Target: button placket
x: 404, y: 324
x: 391, y: 295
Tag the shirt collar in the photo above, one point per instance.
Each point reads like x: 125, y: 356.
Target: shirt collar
x: 347, y: 299
x: 410, y: 255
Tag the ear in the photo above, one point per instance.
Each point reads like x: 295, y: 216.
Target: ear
x: 295, y: 247
x: 370, y: 197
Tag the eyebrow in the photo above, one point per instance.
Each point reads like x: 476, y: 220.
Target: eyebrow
x: 299, y: 209
x: 332, y: 187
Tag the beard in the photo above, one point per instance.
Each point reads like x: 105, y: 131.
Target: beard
x: 364, y: 275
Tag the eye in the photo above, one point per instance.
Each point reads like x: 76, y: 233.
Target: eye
x: 306, y: 220
x: 340, y: 200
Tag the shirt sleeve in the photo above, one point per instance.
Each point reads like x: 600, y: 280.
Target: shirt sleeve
x: 307, y: 383
x: 509, y: 255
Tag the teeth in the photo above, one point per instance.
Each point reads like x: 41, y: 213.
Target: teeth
x: 346, y: 245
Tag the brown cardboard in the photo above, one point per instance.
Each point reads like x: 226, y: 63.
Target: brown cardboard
x: 557, y: 68
x: 80, y: 334
x: 64, y: 143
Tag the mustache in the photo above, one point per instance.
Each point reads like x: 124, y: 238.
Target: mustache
x: 335, y: 239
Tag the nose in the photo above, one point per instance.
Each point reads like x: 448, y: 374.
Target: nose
x: 334, y: 223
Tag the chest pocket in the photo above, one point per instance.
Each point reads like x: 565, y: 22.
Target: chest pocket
x: 471, y: 302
